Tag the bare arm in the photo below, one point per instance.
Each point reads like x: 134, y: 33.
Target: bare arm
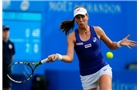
x: 70, y: 51
x: 101, y: 34
x: 110, y: 44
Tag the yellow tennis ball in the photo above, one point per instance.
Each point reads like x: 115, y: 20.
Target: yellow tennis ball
x: 109, y: 55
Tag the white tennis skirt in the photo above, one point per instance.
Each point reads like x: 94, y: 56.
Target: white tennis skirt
x: 91, y: 81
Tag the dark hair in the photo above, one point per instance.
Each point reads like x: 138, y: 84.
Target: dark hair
x: 67, y: 25
x: 4, y: 27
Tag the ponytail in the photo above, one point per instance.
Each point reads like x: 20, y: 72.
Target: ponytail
x: 66, y: 26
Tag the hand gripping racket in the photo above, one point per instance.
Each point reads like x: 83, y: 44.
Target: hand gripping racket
x: 22, y: 71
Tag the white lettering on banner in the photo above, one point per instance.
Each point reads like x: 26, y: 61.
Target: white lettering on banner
x: 118, y: 85
x: 104, y: 8
x: 60, y: 6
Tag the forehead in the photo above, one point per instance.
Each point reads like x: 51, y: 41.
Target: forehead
x: 5, y: 30
x: 79, y: 15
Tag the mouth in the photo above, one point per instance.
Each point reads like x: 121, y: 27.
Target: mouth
x: 81, y: 24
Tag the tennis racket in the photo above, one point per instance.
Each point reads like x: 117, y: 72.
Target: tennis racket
x: 22, y: 71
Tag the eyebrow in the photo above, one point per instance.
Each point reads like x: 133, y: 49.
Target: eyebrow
x: 79, y: 15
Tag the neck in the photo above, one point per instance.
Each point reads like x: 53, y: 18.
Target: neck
x: 84, y: 30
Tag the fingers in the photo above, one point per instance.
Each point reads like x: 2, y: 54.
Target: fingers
x: 128, y: 46
x: 131, y: 44
x: 51, y: 58
x: 132, y: 41
x: 127, y: 36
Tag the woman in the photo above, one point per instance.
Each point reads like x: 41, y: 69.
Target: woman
x: 85, y: 40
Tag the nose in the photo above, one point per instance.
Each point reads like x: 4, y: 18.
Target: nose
x: 80, y: 18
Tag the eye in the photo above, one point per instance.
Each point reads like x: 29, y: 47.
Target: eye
x: 77, y: 17
x: 83, y: 16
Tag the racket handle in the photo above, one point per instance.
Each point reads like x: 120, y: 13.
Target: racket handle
x: 44, y: 60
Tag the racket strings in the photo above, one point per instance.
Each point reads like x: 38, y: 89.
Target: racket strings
x: 20, y: 72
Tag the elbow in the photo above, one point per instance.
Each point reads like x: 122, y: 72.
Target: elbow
x: 70, y: 61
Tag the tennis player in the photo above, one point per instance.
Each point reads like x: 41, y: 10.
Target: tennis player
x: 85, y: 40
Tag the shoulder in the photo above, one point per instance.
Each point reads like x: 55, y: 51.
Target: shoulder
x: 98, y: 28
x: 99, y: 31
x: 71, y: 36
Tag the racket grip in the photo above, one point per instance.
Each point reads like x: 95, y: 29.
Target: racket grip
x: 44, y: 60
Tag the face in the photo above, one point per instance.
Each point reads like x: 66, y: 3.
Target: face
x: 5, y: 34
x: 81, y: 20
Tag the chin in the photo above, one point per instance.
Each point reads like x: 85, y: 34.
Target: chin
x: 82, y: 27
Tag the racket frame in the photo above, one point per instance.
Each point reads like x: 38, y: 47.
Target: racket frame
x: 35, y: 64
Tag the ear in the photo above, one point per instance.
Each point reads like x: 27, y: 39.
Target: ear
x: 87, y: 16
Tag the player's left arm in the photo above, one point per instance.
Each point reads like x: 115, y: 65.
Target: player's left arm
x: 113, y: 45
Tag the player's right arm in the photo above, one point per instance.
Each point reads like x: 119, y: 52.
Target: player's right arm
x: 70, y: 50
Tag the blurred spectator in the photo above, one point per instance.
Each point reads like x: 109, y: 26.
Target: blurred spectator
x: 8, y: 54
x: 39, y: 82
x: 131, y: 66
